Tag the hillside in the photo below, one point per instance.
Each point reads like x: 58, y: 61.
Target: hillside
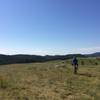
x: 53, y: 80
x: 97, y: 54
x: 12, y: 59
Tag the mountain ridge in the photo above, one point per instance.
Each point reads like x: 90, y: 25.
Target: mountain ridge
x: 25, y: 58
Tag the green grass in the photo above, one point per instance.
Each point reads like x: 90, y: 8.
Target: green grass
x: 52, y: 80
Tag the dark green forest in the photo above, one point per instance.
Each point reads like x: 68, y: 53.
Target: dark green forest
x: 11, y: 59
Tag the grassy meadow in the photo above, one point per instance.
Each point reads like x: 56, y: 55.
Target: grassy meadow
x: 53, y: 80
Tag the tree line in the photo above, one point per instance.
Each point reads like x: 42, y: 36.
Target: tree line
x: 11, y: 59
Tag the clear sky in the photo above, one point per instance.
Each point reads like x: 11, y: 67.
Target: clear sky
x: 49, y: 26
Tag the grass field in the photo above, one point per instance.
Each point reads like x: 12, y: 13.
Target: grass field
x: 53, y: 80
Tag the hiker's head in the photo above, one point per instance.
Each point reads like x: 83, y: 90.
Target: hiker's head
x: 74, y: 57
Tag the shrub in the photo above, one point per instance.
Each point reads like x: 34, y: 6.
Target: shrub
x: 82, y: 63
x: 96, y: 63
x: 3, y: 83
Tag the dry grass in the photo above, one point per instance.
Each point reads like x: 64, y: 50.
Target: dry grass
x: 49, y: 81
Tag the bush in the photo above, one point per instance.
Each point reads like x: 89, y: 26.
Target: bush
x: 3, y: 83
x: 82, y: 63
x: 96, y: 63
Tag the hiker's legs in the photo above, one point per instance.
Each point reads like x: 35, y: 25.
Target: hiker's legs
x: 75, y: 69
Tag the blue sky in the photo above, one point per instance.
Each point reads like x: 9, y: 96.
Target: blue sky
x: 49, y: 26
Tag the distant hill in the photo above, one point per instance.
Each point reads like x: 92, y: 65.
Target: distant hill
x: 97, y: 54
x: 11, y: 59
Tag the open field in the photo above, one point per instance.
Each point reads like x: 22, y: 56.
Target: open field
x: 53, y: 80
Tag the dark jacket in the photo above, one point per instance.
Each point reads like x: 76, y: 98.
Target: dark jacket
x: 74, y: 61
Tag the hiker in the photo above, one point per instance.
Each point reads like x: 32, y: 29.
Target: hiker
x: 75, y: 64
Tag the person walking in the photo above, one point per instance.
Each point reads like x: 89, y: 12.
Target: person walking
x: 75, y: 64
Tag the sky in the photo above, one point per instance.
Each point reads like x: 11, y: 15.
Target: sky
x: 51, y: 27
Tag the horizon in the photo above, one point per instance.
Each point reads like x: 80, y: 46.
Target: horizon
x: 51, y: 54
x: 49, y: 27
